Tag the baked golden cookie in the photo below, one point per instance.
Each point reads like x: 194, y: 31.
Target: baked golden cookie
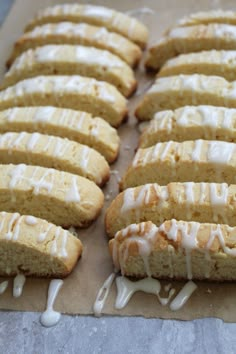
x: 75, y: 92
x: 182, y: 90
x: 210, y: 62
x: 82, y: 33
x: 191, y: 122
x: 54, y: 152
x: 191, y: 39
x: 72, y: 60
x: 176, y: 249
x: 202, y: 202
x: 66, y: 123
x: 195, y: 161
x: 207, y: 17
x: 34, y: 247
x: 59, y: 197
x: 95, y: 15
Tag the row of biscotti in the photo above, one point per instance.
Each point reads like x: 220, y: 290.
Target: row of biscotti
x: 46, y: 175
x: 164, y: 245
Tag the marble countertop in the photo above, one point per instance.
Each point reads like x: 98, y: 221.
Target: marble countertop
x: 22, y: 333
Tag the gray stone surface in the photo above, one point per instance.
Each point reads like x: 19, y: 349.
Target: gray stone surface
x: 21, y: 333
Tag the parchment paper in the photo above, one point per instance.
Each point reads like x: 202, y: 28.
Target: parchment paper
x: 80, y: 288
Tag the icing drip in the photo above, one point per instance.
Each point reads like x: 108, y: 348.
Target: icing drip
x: 165, y: 300
x: 42, y: 236
x: 50, y: 317
x: 218, y: 233
x: 13, y: 220
x: 54, y: 247
x: 3, y: 286
x: 18, y: 285
x: 30, y: 220
x: 218, y: 199
x: 103, y: 294
x: 126, y: 288
x: 183, y: 296
x: 85, y: 157
x: 73, y: 195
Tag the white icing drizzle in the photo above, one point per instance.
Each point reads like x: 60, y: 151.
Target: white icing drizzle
x: 18, y: 285
x: 165, y: 300
x: 12, y: 221
x: 85, y: 157
x: 217, y: 232
x: 42, y: 235
x: 183, y: 296
x: 54, y: 247
x: 50, y: 317
x: 33, y: 141
x: 220, y: 152
x: 102, y: 295
x: 196, y: 154
x: 126, y: 288
x: 30, y: 220
x: 73, y: 194
x: 61, y: 146
x: 3, y: 286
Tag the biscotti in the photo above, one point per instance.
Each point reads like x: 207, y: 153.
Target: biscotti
x: 191, y: 39
x: 202, y: 202
x: 59, y: 197
x: 176, y: 249
x: 75, y: 92
x: 95, y: 15
x: 207, y: 17
x: 84, y: 34
x: 191, y: 123
x: 176, y: 91
x: 72, y: 60
x: 66, y: 123
x: 195, y: 161
x: 34, y: 247
x: 212, y: 62
x: 54, y: 152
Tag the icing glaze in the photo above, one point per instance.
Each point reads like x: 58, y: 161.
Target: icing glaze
x: 50, y: 317
x: 126, y: 288
x: 3, y: 286
x: 18, y: 285
x: 183, y: 296
x: 102, y: 295
x: 30, y: 220
x: 73, y: 194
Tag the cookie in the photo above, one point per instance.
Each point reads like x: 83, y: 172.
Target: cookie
x: 36, y: 248
x: 75, y: 92
x: 54, y: 152
x: 195, y: 161
x: 82, y: 33
x: 72, y: 60
x: 182, y: 40
x: 65, y: 123
x: 182, y: 90
x: 176, y: 250
x: 191, y: 123
x: 59, y: 197
x: 113, y: 20
x: 201, y: 202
